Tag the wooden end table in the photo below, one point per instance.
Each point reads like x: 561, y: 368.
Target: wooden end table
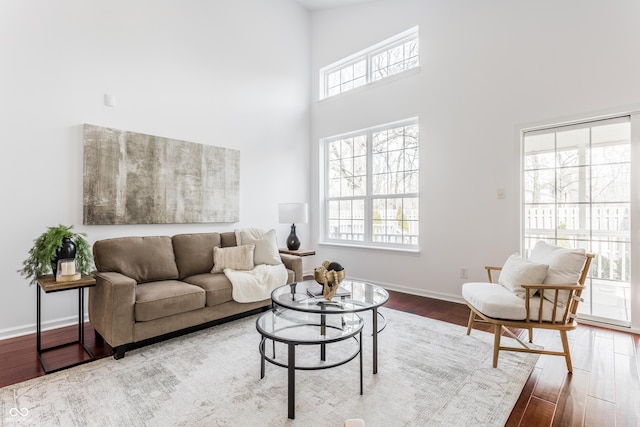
x: 48, y: 284
x: 297, y: 252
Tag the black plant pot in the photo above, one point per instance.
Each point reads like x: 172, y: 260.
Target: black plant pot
x: 67, y: 250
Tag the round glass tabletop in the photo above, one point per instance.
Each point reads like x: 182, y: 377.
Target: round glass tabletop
x: 352, y: 296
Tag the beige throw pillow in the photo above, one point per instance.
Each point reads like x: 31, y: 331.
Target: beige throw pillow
x: 266, y: 251
x: 251, y: 231
x: 234, y: 257
x: 517, y: 271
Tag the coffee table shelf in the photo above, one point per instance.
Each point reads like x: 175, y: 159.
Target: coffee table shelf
x: 296, y: 328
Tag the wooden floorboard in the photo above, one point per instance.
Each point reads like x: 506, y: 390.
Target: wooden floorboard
x: 604, y: 389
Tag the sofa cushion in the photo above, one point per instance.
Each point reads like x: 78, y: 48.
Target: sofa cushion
x: 266, y: 251
x: 144, y: 259
x: 517, y: 271
x: 166, y: 298
x: 228, y: 239
x: 194, y: 252
x: 216, y: 286
x: 235, y: 257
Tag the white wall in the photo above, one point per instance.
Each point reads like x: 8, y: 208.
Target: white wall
x: 225, y: 73
x: 487, y: 68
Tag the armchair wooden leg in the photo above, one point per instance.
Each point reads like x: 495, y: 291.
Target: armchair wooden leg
x: 565, y: 347
x: 530, y: 334
x: 496, y: 344
x: 472, y: 317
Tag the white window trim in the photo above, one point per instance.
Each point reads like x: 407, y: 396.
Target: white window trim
x: 323, y: 240
x: 367, y: 54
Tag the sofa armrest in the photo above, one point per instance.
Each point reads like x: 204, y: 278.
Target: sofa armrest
x: 112, y: 307
x: 294, y: 263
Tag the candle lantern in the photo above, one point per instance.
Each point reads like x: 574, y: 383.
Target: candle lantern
x: 67, y: 270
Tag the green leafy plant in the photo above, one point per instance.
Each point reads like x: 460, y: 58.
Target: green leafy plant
x: 38, y: 263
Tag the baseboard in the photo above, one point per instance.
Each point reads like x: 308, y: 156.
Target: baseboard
x: 46, y: 326
x: 412, y: 291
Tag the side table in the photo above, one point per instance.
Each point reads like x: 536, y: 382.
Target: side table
x: 297, y: 252
x: 48, y: 284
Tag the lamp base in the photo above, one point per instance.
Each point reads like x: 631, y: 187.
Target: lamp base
x: 293, y: 243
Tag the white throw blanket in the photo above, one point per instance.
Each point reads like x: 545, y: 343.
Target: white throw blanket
x: 257, y: 284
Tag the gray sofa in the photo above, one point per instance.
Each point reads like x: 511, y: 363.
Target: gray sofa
x: 156, y: 287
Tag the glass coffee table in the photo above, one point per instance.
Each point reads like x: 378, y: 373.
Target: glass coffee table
x: 362, y: 296
x: 297, y: 328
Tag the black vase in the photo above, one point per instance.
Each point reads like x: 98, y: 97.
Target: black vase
x: 67, y: 250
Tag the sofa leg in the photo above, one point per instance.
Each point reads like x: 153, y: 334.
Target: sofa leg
x: 118, y: 352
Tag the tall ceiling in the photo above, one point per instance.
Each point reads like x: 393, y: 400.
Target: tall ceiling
x: 314, y: 5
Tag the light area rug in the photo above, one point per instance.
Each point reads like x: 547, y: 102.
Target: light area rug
x: 430, y: 373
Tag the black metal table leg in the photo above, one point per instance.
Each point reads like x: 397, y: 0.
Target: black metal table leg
x: 38, y: 323
x: 292, y: 381
x: 262, y: 350
x: 81, y: 315
x: 375, y: 340
x: 323, y: 331
x: 361, y: 363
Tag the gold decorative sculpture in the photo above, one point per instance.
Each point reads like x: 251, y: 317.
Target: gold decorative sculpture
x: 329, y: 274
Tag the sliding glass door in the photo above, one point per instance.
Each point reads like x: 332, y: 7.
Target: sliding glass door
x: 577, y: 193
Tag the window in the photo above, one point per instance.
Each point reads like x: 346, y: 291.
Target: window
x: 371, y: 186
x: 577, y: 193
x: 392, y: 56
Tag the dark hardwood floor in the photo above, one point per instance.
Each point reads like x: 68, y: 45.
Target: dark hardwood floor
x: 604, y: 389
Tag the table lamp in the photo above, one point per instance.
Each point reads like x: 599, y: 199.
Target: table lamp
x: 290, y: 213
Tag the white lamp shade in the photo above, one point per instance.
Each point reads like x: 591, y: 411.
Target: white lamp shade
x: 291, y: 213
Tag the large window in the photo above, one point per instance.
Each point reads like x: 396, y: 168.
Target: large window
x: 577, y: 193
x: 371, y: 186
x: 392, y: 56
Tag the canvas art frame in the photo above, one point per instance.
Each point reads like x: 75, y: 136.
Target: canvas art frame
x: 136, y: 178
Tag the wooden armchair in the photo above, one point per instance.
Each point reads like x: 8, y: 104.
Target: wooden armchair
x: 547, y: 305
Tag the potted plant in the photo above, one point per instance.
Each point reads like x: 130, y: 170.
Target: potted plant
x: 44, y: 253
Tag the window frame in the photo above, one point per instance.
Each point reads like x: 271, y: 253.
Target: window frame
x: 369, y: 196
x: 367, y: 55
x: 592, y: 238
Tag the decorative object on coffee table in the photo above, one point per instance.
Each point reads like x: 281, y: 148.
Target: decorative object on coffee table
x: 57, y: 243
x: 329, y: 274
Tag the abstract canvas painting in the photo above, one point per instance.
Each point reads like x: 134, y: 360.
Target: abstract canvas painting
x: 134, y: 178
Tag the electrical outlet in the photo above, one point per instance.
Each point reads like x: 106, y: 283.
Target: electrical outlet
x: 464, y: 273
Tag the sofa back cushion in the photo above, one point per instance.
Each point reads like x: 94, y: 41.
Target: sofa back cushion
x: 144, y: 259
x: 228, y: 239
x: 194, y: 252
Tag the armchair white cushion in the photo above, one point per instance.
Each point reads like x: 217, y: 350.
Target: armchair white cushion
x: 565, y: 266
x: 494, y: 301
x: 500, y: 303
